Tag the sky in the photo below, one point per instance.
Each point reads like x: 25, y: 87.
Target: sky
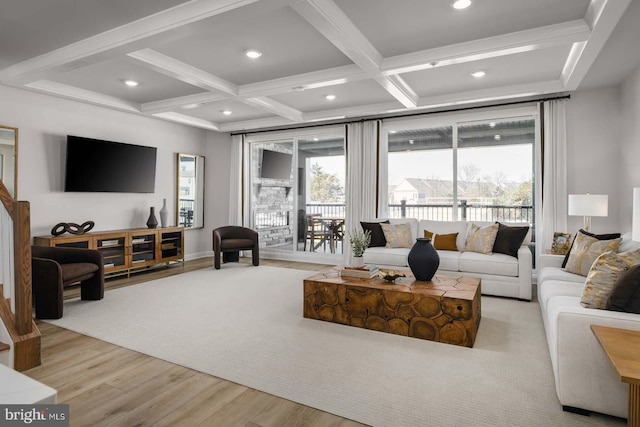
x: 514, y: 161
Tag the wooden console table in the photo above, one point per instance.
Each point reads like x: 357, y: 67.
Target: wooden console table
x: 622, y: 347
x: 126, y: 250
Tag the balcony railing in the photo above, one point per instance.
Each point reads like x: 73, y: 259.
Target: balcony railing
x: 440, y: 212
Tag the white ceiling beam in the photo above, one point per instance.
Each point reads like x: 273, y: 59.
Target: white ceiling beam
x: 177, y: 16
x: 490, y: 47
x: 326, y: 17
x: 602, y: 16
x: 254, y: 124
x: 357, y: 111
x: 187, y: 120
x: 180, y: 101
x: 71, y: 92
x: 184, y: 72
x: 312, y: 80
x: 275, y: 107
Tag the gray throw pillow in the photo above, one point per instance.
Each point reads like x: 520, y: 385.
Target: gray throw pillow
x: 626, y: 292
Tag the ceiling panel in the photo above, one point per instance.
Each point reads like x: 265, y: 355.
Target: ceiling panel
x: 540, y: 65
x: 361, y: 92
x: 288, y: 44
x: 213, y: 112
x: 108, y: 78
x: 30, y: 28
x: 399, y: 27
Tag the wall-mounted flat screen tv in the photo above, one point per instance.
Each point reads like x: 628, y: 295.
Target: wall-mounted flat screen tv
x: 94, y: 165
x: 275, y: 165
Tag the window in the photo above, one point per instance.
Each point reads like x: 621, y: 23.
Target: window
x: 479, y: 170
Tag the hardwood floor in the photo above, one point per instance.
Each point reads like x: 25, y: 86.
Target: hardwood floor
x: 108, y: 385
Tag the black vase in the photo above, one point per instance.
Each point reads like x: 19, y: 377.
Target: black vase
x: 423, y: 259
x: 152, y: 222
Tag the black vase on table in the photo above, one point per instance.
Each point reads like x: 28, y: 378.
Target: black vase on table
x: 423, y: 259
x: 152, y: 222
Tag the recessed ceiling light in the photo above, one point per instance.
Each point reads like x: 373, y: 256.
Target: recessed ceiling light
x: 492, y: 124
x: 190, y: 106
x: 131, y: 83
x: 393, y: 131
x: 253, y: 54
x: 411, y: 141
x: 461, y: 4
x: 316, y: 139
x: 330, y: 97
x: 226, y: 112
x: 478, y: 74
x: 497, y: 137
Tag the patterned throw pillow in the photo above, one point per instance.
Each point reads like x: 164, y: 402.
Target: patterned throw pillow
x: 605, y: 272
x: 397, y: 235
x: 481, y: 239
x: 585, y: 250
x: 443, y: 242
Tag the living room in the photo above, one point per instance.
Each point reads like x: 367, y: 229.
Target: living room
x: 602, y: 129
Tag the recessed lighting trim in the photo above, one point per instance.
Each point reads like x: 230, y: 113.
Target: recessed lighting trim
x: 393, y: 131
x: 497, y: 137
x: 226, y: 112
x: 461, y: 4
x: 478, y: 74
x: 330, y: 97
x: 492, y: 124
x: 190, y: 106
x: 411, y: 141
x: 253, y: 54
x: 131, y: 83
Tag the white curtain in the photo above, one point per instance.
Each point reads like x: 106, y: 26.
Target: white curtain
x: 235, y: 180
x: 551, y: 175
x: 362, y: 147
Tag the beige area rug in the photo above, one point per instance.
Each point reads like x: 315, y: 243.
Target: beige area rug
x: 245, y: 324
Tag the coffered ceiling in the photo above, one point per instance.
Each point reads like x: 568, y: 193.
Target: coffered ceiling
x: 374, y: 56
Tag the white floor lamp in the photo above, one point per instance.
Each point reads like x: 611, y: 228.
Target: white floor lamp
x: 588, y: 205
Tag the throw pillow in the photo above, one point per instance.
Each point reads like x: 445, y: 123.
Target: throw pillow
x: 509, y: 239
x: 377, y: 236
x: 597, y: 236
x: 397, y: 235
x: 602, y: 277
x: 585, y: 250
x: 626, y: 292
x: 443, y: 242
x: 481, y: 239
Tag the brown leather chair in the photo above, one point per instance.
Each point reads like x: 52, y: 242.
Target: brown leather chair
x: 230, y: 240
x: 54, y: 268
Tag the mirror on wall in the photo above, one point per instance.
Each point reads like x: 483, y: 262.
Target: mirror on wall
x: 190, y: 194
x: 9, y: 159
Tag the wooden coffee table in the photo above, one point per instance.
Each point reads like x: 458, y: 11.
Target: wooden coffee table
x: 446, y: 309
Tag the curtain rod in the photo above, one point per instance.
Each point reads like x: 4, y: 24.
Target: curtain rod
x: 395, y: 116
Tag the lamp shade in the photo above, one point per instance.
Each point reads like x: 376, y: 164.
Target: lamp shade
x: 589, y: 204
x: 635, y: 226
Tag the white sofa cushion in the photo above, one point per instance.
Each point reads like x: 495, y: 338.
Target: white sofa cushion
x: 386, y: 256
x: 496, y: 264
x: 554, y: 288
x: 449, y: 260
x: 557, y: 273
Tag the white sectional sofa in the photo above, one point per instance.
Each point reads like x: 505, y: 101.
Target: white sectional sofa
x: 583, y: 374
x: 502, y: 275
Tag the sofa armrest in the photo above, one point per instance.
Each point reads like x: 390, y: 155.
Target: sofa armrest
x: 525, y: 270
x: 549, y: 260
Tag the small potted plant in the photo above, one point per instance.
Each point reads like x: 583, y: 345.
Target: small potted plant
x: 359, y: 241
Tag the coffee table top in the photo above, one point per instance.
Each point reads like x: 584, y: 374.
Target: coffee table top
x: 450, y: 286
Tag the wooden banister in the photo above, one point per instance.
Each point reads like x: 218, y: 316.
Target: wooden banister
x: 6, y: 198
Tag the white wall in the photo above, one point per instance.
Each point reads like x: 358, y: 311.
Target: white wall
x: 44, y: 123
x: 593, y: 153
x: 630, y: 146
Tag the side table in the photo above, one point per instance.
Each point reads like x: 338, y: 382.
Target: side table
x: 622, y: 347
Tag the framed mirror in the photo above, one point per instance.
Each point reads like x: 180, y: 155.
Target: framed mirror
x: 190, y: 191
x: 9, y: 159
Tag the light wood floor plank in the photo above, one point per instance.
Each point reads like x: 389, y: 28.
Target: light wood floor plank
x: 107, y: 385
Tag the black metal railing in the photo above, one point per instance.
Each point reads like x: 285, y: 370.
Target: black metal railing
x: 264, y: 220
x: 440, y: 212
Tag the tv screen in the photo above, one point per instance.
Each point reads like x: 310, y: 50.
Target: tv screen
x: 94, y: 165
x: 275, y: 165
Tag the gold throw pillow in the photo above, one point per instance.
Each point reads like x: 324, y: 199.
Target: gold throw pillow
x: 603, y: 276
x: 585, y: 250
x: 481, y: 239
x: 397, y: 235
x: 443, y: 242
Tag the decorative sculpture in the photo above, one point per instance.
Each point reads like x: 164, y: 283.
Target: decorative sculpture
x: 72, y: 228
